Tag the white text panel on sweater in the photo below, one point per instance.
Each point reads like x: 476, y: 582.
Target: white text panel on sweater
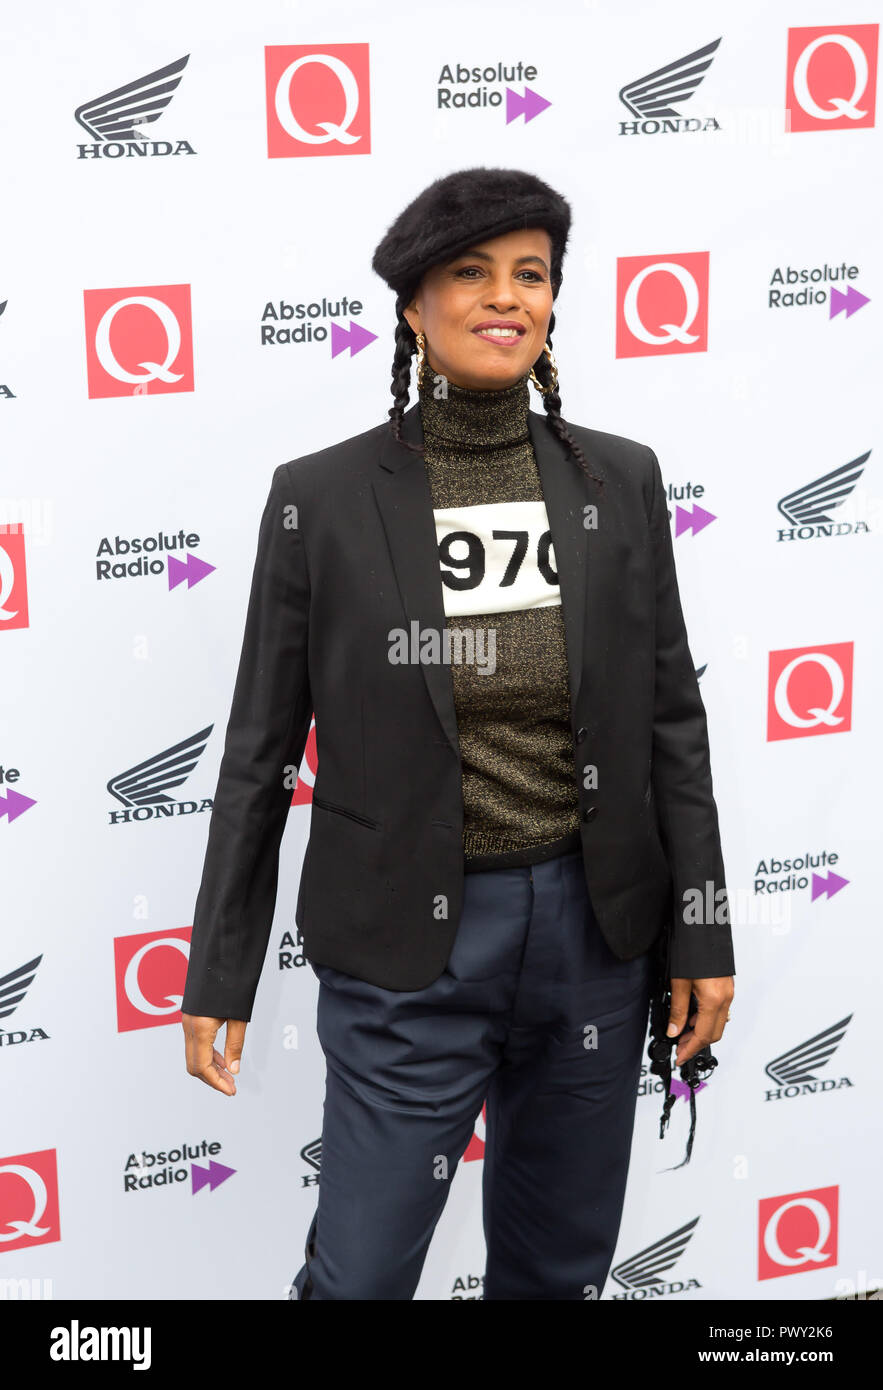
x: 496, y: 557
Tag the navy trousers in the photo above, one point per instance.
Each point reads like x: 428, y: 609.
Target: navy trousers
x: 533, y: 1014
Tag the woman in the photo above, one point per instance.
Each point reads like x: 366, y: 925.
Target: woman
x: 513, y: 802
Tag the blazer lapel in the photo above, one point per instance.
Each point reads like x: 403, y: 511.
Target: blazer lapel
x: 405, y: 503
x: 566, y: 495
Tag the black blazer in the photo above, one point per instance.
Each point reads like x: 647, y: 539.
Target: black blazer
x: 346, y: 553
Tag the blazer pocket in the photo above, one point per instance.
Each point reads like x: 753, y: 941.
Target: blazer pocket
x: 344, y: 811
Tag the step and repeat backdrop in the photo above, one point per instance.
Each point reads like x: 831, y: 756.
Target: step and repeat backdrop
x: 194, y: 193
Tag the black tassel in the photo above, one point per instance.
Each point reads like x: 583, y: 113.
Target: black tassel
x: 695, y: 1069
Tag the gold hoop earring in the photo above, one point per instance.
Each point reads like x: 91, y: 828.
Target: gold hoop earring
x: 421, y: 356
x: 546, y: 390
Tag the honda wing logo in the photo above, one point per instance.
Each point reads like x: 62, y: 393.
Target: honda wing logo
x: 809, y: 505
x: 643, y: 1270
x: 147, y: 783
x: 312, y: 1153
x: 803, y: 1061
x: 654, y: 96
x: 120, y: 114
x: 14, y: 986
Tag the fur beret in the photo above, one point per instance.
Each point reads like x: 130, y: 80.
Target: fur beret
x: 461, y: 209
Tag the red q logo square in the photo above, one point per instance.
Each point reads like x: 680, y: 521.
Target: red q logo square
x: 151, y: 968
x: 139, y: 341
x: 317, y: 100
x: 475, y: 1148
x: 306, y: 777
x: 797, y: 1233
x: 13, y: 578
x: 810, y: 691
x: 661, y: 304
x: 832, y: 77
x: 29, y: 1200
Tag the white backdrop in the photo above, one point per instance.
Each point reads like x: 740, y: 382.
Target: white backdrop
x: 232, y: 211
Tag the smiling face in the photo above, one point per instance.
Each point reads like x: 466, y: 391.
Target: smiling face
x: 486, y: 312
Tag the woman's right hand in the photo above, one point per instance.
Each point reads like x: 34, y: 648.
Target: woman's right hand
x: 203, y: 1058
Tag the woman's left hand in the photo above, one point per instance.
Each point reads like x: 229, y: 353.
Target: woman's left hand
x: 706, y: 1025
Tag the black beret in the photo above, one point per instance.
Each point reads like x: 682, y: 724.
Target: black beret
x: 461, y: 209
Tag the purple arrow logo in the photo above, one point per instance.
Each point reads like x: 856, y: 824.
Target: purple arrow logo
x: 192, y: 569
x: 694, y: 521
x: 13, y: 805
x: 214, y: 1175
x: 530, y: 105
x: 826, y: 885
x: 852, y: 300
x: 355, y: 338
x: 682, y: 1090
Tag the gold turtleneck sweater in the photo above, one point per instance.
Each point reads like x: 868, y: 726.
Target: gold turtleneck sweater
x: 520, y: 796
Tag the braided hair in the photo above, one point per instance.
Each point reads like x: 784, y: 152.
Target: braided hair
x: 406, y: 347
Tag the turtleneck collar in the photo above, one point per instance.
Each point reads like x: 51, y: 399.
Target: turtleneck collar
x: 475, y: 418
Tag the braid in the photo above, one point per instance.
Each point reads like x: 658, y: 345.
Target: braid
x: 405, y: 347
x: 552, y: 405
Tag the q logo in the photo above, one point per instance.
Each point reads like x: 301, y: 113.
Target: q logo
x: 139, y: 341
x: 13, y: 577
x: 317, y: 100
x: 797, y: 1233
x: 832, y: 77
x: 151, y: 968
x: 475, y: 1148
x: 810, y: 691
x: 306, y: 776
x: 29, y: 1200
x: 662, y: 304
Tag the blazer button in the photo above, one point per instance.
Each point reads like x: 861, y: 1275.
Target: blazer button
x: 590, y: 813
x: 580, y: 735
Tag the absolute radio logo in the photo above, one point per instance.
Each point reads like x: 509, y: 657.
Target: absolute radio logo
x: 166, y: 1167
x: 808, y: 508
x: 29, y: 1200
x: 143, y: 789
x: 650, y: 1084
x: 655, y: 100
x: 318, y: 100
x: 796, y: 1071
x: 12, y: 803
x: 150, y: 969
x: 139, y: 340
x: 662, y: 304
x: 13, y: 578
x: 462, y: 88
x: 118, y: 121
x: 316, y: 322
x: 810, y: 691
x: 641, y: 1275
x: 13, y: 988
x: 796, y: 873
x: 291, y: 951
x: 797, y: 1233
x: 467, y: 1288
x: 694, y: 518
x: 790, y: 288
x: 153, y: 557
x: 831, y: 77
